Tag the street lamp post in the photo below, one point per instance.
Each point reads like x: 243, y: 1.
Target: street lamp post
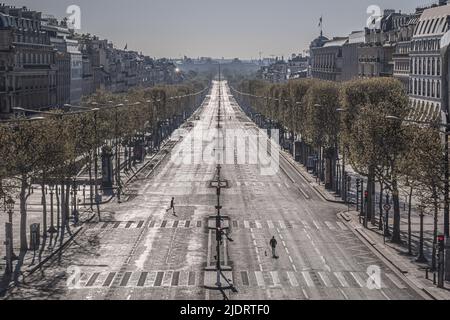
x: 386, y: 232
x: 52, y: 228
x: 421, y: 258
x: 9, y: 238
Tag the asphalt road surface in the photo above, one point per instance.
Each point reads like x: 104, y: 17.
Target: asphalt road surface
x: 145, y: 252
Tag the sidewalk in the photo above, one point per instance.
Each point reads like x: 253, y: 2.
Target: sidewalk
x: 48, y: 247
x: 30, y: 262
x: 398, y: 256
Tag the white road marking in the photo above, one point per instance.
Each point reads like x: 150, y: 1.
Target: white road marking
x: 341, y: 225
x: 304, y: 193
x: 306, y: 294
x: 329, y: 225
x: 258, y: 225
x: 308, y: 279
x: 292, y: 279
x: 260, y: 279
x: 316, y: 224
x: 325, y: 279
x: 341, y: 279
x: 270, y: 224
x: 282, y: 225
x: 275, y: 278
x: 385, y: 295
x: 246, y: 225
x: 358, y: 279
x: 307, y: 226
x: 343, y: 293
x: 290, y: 259
x: 396, y: 281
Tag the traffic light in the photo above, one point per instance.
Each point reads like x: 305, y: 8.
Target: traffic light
x: 441, y: 242
x: 366, y: 195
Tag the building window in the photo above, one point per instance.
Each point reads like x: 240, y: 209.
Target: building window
x: 438, y: 67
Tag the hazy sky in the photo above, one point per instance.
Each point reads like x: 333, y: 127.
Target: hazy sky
x: 225, y: 28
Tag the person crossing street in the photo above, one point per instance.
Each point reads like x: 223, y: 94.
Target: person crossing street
x: 273, y: 245
x: 172, y: 207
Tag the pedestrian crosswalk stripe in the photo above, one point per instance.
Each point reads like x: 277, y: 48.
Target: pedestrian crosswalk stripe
x: 308, y: 279
x: 306, y: 224
x: 341, y: 279
x: 258, y: 225
x: 175, y: 279
x: 244, y: 277
x: 329, y: 225
x: 282, y: 225
x: 246, y: 225
x: 275, y: 278
x: 167, y: 279
x: 316, y: 224
x: 92, y: 279
x: 259, y: 278
x: 159, y: 279
x: 358, y: 279
x: 129, y: 224
x: 270, y: 224
x: 325, y: 279
x: 191, y: 281
x: 140, y: 224
x: 292, y: 279
x: 142, y: 279
x: 395, y: 281
x: 342, y: 226
x: 125, y: 279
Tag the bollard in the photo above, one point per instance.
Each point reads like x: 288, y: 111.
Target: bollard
x: 426, y: 274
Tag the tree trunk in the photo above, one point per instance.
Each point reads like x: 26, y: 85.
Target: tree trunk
x: 44, y: 208
x: 23, y: 214
x: 411, y: 190
x: 380, y: 206
x: 435, y: 229
x: 91, y: 190
x: 396, y: 236
x: 371, y: 195
x: 63, y: 214
x: 67, y: 207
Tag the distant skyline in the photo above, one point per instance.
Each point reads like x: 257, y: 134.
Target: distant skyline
x: 212, y: 28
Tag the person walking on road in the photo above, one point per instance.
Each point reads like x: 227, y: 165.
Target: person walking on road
x: 273, y: 244
x: 172, y: 207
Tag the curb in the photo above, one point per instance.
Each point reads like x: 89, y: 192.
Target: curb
x: 373, y: 247
x: 318, y: 190
x: 28, y: 273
